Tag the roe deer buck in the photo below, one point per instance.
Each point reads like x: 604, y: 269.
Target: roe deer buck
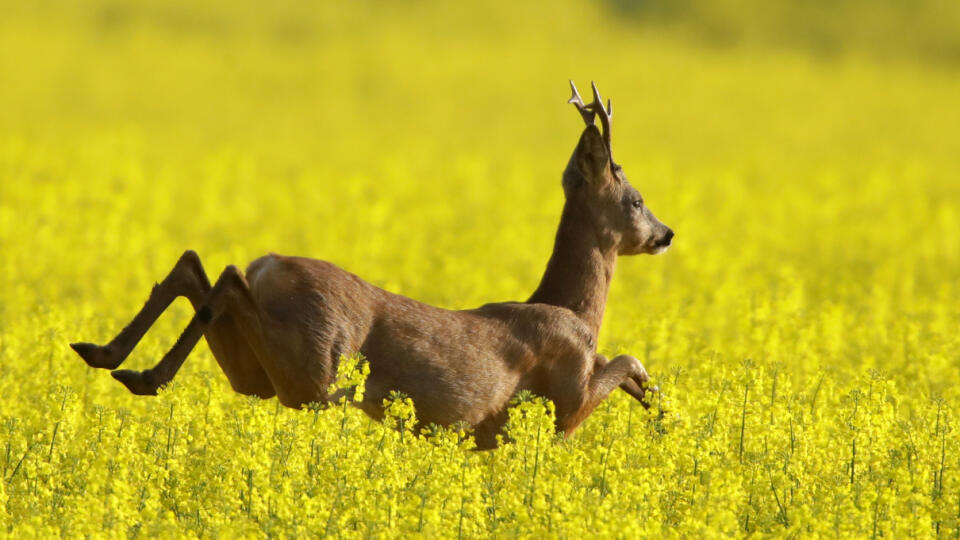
x: 280, y: 329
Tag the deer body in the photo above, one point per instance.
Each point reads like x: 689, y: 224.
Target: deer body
x: 455, y: 365
x: 280, y: 328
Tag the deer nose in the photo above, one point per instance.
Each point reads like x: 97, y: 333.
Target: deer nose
x: 666, y: 239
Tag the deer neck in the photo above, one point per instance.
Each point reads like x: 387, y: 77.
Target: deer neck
x: 580, y: 269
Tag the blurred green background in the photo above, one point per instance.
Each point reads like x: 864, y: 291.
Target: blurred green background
x: 884, y: 30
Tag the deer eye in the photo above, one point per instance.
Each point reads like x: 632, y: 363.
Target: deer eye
x: 638, y: 204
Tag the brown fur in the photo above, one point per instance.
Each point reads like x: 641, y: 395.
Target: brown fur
x: 280, y: 328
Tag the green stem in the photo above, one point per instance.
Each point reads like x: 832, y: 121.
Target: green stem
x: 743, y: 418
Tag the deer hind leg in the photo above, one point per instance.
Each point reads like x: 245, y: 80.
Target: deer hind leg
x: 624, y: 371
x: 283, y: 373
x: 229, y: 341
x: 187, y: 279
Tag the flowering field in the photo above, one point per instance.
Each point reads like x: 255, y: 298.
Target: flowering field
x: 803, y: 328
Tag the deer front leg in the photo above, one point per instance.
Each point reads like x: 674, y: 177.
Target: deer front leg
x: 185, y: 279
x: 639, y: 387
x: 624, y: 371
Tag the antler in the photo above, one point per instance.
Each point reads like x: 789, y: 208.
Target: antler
x: 585, y: 111
x: 606, y: 115
x: 588, y: 112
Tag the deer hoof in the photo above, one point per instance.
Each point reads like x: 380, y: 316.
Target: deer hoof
x: 140, y: 383
x: 95, y: 355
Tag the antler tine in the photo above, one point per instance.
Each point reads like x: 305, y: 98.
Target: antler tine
x: 597, y: 100
x: 585, y: 111
x: 606, y: 115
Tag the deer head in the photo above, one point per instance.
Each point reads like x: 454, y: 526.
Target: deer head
x: 597, y: 185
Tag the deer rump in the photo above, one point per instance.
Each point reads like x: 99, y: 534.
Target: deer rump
x: 455, y: 365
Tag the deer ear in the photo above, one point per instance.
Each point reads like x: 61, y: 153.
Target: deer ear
x: 591, y: 156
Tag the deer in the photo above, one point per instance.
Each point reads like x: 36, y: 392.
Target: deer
x: 280, y: 328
